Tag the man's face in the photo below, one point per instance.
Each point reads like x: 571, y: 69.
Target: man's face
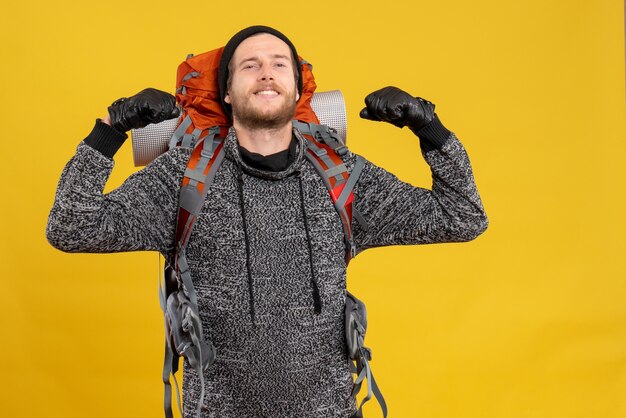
x: 262, y: 90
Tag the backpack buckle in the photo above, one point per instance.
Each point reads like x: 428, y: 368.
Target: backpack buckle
x: 320, y: 151
x: 208, y: 147
x: 342, y: 150
x: 350, y: 250
x: 366, y: 352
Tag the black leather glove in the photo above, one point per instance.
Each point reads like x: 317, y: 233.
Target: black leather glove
x: 390, y: 104
x: 146, y: 107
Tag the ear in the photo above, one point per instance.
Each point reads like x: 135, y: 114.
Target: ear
x: 297, y: 97
x: 227, y: 98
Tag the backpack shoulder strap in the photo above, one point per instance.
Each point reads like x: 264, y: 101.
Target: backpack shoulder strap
x: 203, y: 164
x: 324, y: 151
x: 178, y: 292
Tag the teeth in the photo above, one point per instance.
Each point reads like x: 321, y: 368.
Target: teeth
x: 268, y: 93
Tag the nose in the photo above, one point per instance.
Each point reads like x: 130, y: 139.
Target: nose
x: 266, y: 73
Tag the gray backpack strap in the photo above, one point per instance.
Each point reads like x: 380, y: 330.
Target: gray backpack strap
x: 183, y: 326
x: 356, y: 325
x: 168, y: 366
x: 179, y: 132
x: 183, y: 338
x: 322, y: 140
x: 189, y: 139
x: 322, y: 143
x: 322, y: 133
x: 339, y: 182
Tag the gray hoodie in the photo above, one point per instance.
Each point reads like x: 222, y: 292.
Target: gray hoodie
x: 276, y: 357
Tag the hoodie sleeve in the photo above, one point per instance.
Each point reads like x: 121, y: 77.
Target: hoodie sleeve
x: 138, y: 215
x: 397, y: 213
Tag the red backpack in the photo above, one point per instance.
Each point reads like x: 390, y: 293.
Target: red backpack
x: 203, y: 126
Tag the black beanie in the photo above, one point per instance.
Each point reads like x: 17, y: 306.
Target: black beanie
x: 229, y: 50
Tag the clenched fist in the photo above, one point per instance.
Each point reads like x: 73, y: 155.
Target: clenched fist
x: 146, y: 107
x: 390, y: 104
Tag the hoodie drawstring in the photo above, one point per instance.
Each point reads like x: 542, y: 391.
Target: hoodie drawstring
x: 247, y: 240
x: 317, y: 301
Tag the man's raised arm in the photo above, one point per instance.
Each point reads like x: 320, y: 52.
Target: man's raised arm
x: 399, y: 213
x: 138, y: 215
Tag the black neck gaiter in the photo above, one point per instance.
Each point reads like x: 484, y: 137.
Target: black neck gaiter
x: 273, y: 162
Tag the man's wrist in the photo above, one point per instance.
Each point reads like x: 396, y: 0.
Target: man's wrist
x: 105, y: 138
x: 433, y: 135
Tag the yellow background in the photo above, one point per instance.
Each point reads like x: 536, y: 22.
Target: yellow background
x: 529, y: 320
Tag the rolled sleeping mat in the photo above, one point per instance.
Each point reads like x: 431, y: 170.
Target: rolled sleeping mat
x: 153, y: 140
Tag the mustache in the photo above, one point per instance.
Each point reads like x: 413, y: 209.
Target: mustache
x: 268, y: 86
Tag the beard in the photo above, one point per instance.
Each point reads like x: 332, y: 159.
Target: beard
x: 252, y: 117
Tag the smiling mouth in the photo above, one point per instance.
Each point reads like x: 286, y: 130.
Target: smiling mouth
x: 267, y: 93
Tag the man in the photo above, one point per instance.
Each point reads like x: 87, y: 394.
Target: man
x: 267, y: 252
